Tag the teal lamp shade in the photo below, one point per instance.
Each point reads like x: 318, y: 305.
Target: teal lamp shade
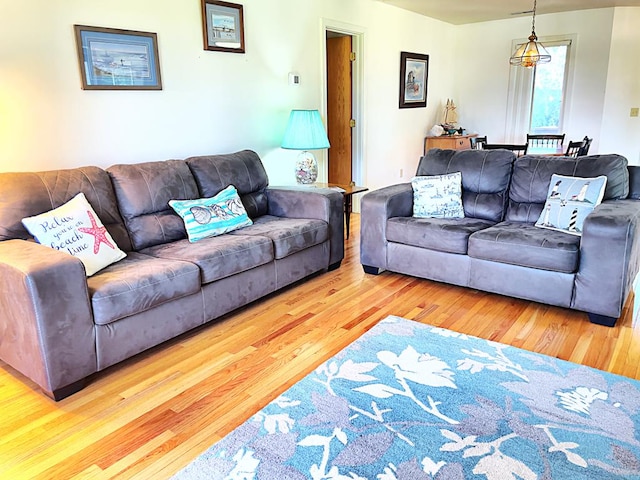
x: 305, y: 132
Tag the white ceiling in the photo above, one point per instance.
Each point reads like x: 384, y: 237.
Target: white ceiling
x: 459, y: 12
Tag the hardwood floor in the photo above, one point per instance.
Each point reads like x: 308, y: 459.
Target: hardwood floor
x: 148, y: 417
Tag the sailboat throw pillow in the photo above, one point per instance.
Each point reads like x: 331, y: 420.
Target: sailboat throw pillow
x: 438, y: 196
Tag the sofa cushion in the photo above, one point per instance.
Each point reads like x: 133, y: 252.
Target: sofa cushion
x: 49, y: 190
x: 242, y: 169
x: 438, y: 196
x: 76, y: 229
x: 143, y: 191
x: 138, y: 283
x: 526, y: 245
x: 569, y: 201
x: 218, y: 257
x: 532, y: 175
x: 208, y: 217
x: 485, y: 178
x: 449, y: 235
x: 289, y: 235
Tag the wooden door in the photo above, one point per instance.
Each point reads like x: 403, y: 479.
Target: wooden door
x: 339, y: 100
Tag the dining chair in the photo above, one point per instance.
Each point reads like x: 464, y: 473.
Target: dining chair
x: 573, y: 149
x: 586, y: 144
x: 545, y: 141
x: 519, y: 150
x: 478, y: 142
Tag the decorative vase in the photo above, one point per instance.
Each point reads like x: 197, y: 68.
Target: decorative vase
x: 306, y: 168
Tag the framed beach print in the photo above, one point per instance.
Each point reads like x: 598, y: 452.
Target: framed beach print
x: 414, y: 73
x: 223, y: 26
x: 112, y: 59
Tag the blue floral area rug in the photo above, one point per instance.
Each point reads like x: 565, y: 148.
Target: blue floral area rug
x: 408, y: 401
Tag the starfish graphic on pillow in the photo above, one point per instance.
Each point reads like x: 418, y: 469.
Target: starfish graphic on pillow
x: 100, y: 233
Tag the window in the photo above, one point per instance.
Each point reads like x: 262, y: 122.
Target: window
x: 549, y: 92
x: 538, y: 96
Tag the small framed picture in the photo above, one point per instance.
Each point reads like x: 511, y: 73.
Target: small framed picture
x: 223, y: 26
x: 112, y: 59
x: 414, y: 73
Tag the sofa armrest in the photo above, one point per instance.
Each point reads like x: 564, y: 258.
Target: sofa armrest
x: 609, y: 258
x: 317, y: 203
x: 46, y: 325
x: 376, y: 208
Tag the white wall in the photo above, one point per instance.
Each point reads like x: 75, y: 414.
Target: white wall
x: 220, y: 102
x: 620, y: 133
x: 482, y: 71
x: 211, y: 102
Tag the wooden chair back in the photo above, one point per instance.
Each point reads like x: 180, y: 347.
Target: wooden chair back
x: 478, y: 142
x: 574, y: 148
x: 545, y: 141
x: 586, y: 144
x: 519, y: 150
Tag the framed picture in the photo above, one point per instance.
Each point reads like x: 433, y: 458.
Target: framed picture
x: 112, y: 59
x: 223, y: 26
x: 414, y: 73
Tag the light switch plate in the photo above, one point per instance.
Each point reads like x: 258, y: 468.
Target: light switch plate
x: 635, y: 111
x: 294, y: 78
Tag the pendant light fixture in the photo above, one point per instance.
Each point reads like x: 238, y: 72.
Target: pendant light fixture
x: 531, y: 53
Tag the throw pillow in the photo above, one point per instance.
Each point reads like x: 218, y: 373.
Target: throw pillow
x: 438, y: 196
x: 208, y: 217
x: 569, y: 201
x: 76, y: 229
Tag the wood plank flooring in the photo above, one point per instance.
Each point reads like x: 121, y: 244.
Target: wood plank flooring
x: 149, y: 416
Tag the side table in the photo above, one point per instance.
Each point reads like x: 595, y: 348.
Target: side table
x: 348, y: 191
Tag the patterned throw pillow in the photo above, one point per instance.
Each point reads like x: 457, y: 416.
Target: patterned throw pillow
x: 438, y: 196
x: 208, y: 217
x: 569, y: 201
x: 76, y: 229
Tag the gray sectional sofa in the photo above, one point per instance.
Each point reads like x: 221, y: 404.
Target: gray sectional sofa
x: 58, y: 326
x: 497, y: 247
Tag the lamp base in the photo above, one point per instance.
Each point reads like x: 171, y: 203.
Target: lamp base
x: 306, y: 168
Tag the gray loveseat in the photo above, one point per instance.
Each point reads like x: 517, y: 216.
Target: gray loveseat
x: 496, y: 247
x: 57, y: 326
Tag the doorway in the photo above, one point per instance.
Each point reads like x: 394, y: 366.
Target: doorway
x: 343, y: 77
x: 339, y: 107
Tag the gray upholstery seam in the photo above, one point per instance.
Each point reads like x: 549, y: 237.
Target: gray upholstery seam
x: 223, y: 254
x: 484, y: 162
x: 518, y: 244
x: 535, y: 171
x: 537, y: 267
x: 626, y: 244
x: 244, y: 163
x: 144, y: 286
x: 296, y: 234
x: 204, y: 305
x: 220, y: 177
x: 94, y: 190
x: 46, y: 187
x: 140, y: 171
x: 184, y: 184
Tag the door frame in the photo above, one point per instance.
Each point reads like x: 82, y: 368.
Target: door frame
x: 357, y: 108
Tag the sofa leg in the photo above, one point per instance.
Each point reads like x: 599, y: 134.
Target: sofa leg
x: 334, y: 266
x: 602, y: 319
x: 64, y: 392
x: 372, y: 270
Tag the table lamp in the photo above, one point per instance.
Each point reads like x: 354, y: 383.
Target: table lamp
x: 305, y: 132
